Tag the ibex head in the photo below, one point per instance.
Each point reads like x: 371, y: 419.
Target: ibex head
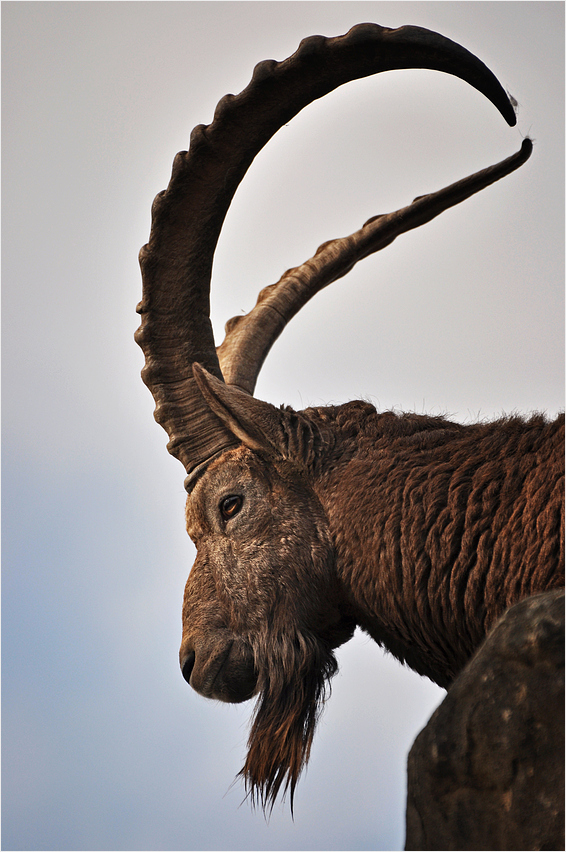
x: 264, y: 604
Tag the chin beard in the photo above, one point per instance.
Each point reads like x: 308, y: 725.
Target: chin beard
x: 294, y: 675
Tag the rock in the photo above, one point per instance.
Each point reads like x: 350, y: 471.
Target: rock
x: 487, y: 772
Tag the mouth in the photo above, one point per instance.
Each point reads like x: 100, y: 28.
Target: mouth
x: 223, y: 670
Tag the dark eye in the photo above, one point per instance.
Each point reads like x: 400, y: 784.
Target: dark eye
x: 230, y: 506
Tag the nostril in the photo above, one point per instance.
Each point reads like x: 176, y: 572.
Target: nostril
x: 187, y: 665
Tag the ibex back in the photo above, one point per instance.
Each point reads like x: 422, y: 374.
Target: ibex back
x: 307, y: 524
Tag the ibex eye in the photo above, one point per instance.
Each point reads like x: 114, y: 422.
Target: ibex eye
x: 230, y: 506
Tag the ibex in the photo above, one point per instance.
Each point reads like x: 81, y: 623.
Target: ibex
x: 419, y: 530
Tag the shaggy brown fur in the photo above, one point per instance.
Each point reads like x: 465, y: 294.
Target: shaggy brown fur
x: 440, y: 527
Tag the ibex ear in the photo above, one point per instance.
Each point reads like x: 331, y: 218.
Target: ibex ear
x: 257, y: 424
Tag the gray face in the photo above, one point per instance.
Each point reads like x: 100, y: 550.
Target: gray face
x: 264, y: 573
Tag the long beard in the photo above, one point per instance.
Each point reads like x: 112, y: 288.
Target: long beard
x: 294, y: 677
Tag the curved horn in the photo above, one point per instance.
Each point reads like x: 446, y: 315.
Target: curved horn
x: 250, y: 337
x: 187, y: 217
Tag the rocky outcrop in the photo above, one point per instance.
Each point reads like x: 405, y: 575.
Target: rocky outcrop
x: 487, y: 772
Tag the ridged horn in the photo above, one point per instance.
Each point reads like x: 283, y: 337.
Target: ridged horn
x: 175, y: 330
x: 250, y: 337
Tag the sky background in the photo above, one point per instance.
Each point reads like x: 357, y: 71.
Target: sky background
x: 104, y: 745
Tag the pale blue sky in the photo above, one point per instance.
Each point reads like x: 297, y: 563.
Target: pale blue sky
x: 105, y: 746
